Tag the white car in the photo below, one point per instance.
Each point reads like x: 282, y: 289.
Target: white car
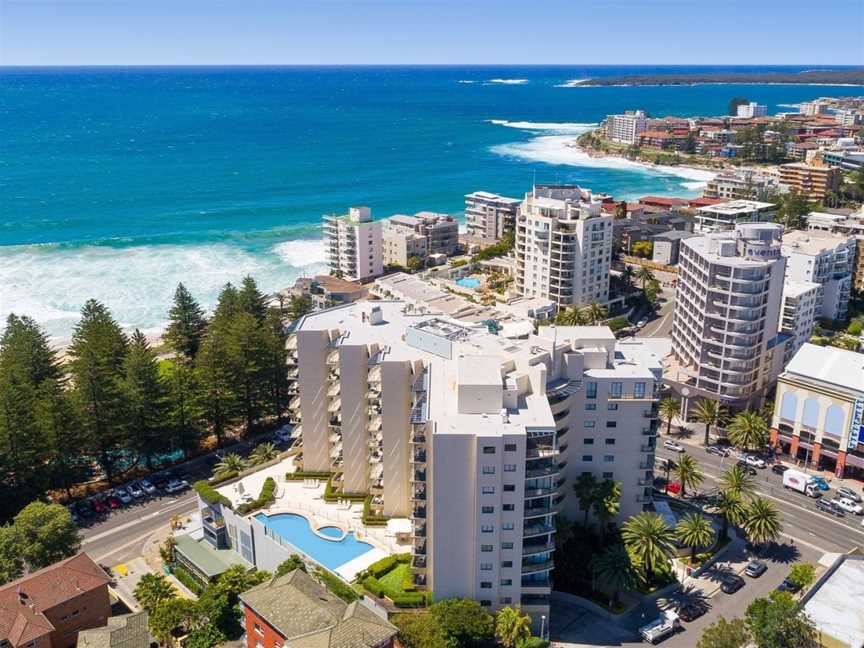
x: 135, y: 490
x: 176, y: 485
x: 147, y: 486
x: 123, y: 495
x: 756, y: 462
x: 848, y: 493
x: 848, y: 505
x: 672, y: 445
x: 642, y: 322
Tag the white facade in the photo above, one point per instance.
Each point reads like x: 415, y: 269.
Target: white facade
x: 625, y: 129
x: 752, y: 109
x: 441, y: 230
x: 801, y: 306
x: 740, y: 185
x: 824, y: 258
x: 812, y: 108
x: 488, y: 215
x: 474, y: 437
x: 563, y: 246
x: 400, y: 246
x: 725, y: 216
x: 725, y: 326
x: 353, y: 244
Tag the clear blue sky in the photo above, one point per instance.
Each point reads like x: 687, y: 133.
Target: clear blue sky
x: 106, y: 32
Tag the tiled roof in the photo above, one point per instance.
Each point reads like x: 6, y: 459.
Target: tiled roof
x: 308, y: 615
x: 127, y: 631
x: 23, y: 602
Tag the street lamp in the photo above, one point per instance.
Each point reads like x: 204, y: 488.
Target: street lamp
x: 543, y: 626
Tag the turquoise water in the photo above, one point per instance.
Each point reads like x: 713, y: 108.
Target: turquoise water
x: 118, y: 183
x: 469, y: 282
x: 330, y: 553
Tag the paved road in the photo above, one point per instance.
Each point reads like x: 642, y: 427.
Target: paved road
x: 800, y: 518
x: 660, y: 324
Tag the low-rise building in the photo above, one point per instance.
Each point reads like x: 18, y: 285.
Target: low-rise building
x: 296, y: 611
x: 667, y: 246
x: 725, y: 216
x: 833, y: 602
x: 48, y: 608
x: 488, y: 216
x: 662, y: 140
x: 625, y: 129
x: 126, y: 631
x: 400, y: 246
x: 441, y: 230
x: 815, y: 181
x: 751, y: 110
x: 819, y: 410
x: 327, y: 290
x: 799, y: 311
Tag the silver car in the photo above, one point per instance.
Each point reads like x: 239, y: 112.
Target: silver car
x: 848, y: 493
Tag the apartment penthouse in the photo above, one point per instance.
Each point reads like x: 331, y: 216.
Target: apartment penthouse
x: 725, y: 329
x: 488, y: 215
x: 353, y: 245
x: 625, y: 129
x: 725, y: 216
x: 466, y: 434
x: 563, y: 246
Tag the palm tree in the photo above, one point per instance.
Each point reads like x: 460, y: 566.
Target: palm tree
x: 731, y: 508
x: 709, y: 413
x: 614, y: 569
x: 596, y: 313
x: 570, y: 317
x: 627, y: 276
x: 644, y: 275
x: 688, y: 473
x: 649, y: 539
x: 263, y: 452
x: 152, y: 589
x: 586, y: 492
x: 738, y: 481
x: 230, y: 463
x: 748, y: 430
x: 762, y: 521
x: 512, y: 628
x: 669, y: 409
x: 694, y: 531
x: 607, y: 503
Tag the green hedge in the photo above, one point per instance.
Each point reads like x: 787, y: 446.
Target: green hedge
x: 337, y: 585
x: 374, y: 585
x: 410, y: 599
x: 381, y: 567
x: 618, y: 323
x: 372, y: 520
x: 209, y: 494
x: 297, y: 476
x: 223, y: 477
x: 330, y: 494
x: 182, y: 575
x: 264, y: 497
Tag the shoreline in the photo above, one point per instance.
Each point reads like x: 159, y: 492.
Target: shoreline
x: 696, y: 172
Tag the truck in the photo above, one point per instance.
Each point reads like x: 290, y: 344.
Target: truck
x: 801, y: 482
x: 667, y: 624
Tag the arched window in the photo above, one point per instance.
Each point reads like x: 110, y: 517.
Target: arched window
x: 810, y: 416
x: 789, y: 406
x: 834, y: 419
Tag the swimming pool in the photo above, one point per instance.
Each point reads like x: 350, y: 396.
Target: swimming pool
x: 330, y: 553
x: 468, y: 282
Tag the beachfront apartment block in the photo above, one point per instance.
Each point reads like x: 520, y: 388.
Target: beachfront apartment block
x: 625, y: 129
x: 726, y: 345
x: 352, y: 243
x: 851, y: 225
x: 473, y: 437
x: 726, y: 215
x: 488, y: 216
x: 824, y: 258
x: 400, y: 246
x: 563, y: 246
x: 741, y: 184
x: 441, y: 230
x: 814, y: 181
x: 751, y: 110
x: 799, y: 312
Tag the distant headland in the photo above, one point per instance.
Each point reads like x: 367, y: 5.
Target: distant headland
x: 809, y: 77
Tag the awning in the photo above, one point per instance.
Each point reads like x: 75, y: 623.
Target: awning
x: 399, y: 525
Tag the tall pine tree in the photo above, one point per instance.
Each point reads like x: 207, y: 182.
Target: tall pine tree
x: 183, y: 406
x: 186, y: 324
x: 248, y: 358
x: 252, y: 300
x: 145, y: 397
x: 216, y: 395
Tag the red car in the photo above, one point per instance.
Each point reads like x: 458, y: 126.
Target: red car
x: 113, y: 502
x: 674, y: 487
x: 99, y: 505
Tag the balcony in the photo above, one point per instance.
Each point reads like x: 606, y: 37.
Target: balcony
x: 535, y: 600
x: 534, y: 530
x: 532, y: 582
x: 420, y: 547
x: 539, y: 492
x: 538, y: 511
x: 530, y: 550
x: 418, y: 562
x: 419, y: 476
x: 419, y: 456
x: 420, y: 530
x: 419, y: 512
x: 419, y: 495
x: 544, y: 471
x: 534, y: 568
x: 647, y: 447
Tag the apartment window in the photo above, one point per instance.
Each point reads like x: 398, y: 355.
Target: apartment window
x: 590, y: 407
x: 615, y: 390
x: 487, y: 490
x: 608, y: 458
x: 612, y: 407
x: 258, y: 629
x: 485, y: 603
x: 639, y: 390
x: 608, y: 475
x: 509, y: 488
x: 509, y: 467
x: 486, y: 585
x: 506, y: 564
x: 589, y: 424
x: 509, y: 447
x: 506, y: 545
x: 506, y: 582
x: 610, y: 441
x: 587, y: 458
x: 487, y: 509
x: 485, y: 566
x: 485, y: 548
x: 509, y: 507
x: 488, y: 470
x: 588, y: 441
x: 488, y: 449
x: 507, y: 526
x: 591, y: 390
x: 487, y: 528
x: 611, y: 424
x: 505, y: 600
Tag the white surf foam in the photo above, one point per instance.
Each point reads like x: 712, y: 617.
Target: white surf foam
x: 572, y: 83
x: 137, y: 283
x: 465, y: 81
x: 556, y: 127
x: 508, y: 81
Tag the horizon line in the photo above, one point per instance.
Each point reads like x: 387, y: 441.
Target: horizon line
x: 828, y: 66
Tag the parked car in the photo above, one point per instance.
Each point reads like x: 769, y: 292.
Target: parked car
x: 779, y: 469
x: 747, y: 468
x: 73, y: 513
x: 755, y: 569
x: 98, y: 505
x: 828, y: 507
x: 717, y: 450
x: 159, y: 481
x: 176, y: 485
x: 674, y: 487
x: 113, y: 502
x: 731, y: 584
x: 282, y: 435
x: 691, y: 611
x: 756, y: 462
x: 84, y: 509
x: 673, y: 445
x: 123, y: 495
x: 846, y: 504
x: 788, y: 586
x: 135, y: 490
x: 848, y: 493
x: 147, y: 486
x: 820, y: 482
x: 642, y: 322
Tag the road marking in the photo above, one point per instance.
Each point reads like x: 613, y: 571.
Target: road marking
x: 131, y: 543
x: 132, y: 523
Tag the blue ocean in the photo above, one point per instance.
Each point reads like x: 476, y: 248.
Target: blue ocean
x: 119, y: 183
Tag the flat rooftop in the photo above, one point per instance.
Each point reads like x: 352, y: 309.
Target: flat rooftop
x: 736, y: 208
x: 829, y: 365
x: 835, y: 608
x: 798, y: 288
x: 812, y: 242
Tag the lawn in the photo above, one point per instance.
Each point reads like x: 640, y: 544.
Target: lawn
x: 393, y: 579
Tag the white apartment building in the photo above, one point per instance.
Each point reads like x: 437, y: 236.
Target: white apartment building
x: 740, y: 185
x: 563, y: 246
x: 353, y: 245
x: 725, y: 340
x: 400, y: 246
x: 812, y: 108
x: 801, y: 306
x: 474, y: 437
x: 488, y: 215
x: 824, y: 258
x: 752, y: 109
x: 441, y: 230
x: 725, y: 216
x: 625, y: 129
x: 848, y: 118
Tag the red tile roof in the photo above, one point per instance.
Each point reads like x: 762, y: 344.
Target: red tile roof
x: 662, y: 201
x: 704, y: 202
x: 23, y: 602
